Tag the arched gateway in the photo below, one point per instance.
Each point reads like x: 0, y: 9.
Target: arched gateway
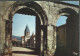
x: 47, y: 14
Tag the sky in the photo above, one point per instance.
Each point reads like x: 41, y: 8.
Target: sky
x: 61, y: 20
x: 20, y: 21
x: 72, y: 2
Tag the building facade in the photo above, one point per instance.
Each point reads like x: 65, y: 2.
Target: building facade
x: 22, y: 41
x: 27, y: 37
x: 32, y: 41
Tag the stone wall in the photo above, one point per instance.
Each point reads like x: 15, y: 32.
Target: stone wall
x: 48, y: 14
x: 61, y: 40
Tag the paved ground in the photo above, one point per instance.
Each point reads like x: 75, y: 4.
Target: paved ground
x: 19, y: 51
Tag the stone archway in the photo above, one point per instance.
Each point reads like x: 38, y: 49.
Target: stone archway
x: 72, y: 35
x: 48, y: 13
x: 50, y: 28
x: 30, y: 8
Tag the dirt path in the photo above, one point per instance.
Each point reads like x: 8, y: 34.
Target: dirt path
x: 19, y: 51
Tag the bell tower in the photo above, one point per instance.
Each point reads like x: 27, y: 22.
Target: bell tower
x: 27, y: 31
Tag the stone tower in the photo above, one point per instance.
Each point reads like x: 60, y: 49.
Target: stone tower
x: 27, y: 31
x: 27, y: 36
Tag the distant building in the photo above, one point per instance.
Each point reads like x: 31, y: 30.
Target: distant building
x: 22, y: 40
x: 32, y: 41
x: 27, y: 40
x: 27, y: 37
x: 14, y: 39
x: 16, y: 42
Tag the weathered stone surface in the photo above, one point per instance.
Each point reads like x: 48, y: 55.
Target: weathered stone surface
x: 47, y: 14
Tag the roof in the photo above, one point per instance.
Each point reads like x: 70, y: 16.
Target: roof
x: 22, y: 36
x: 27, y: 29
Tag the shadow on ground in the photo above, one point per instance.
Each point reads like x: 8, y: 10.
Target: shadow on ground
x: 24, y: 52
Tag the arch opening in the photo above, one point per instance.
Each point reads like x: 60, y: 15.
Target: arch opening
x: 30, y: 10
x: 61, y: 35
x: 23, y: 34
x: 66, y: 34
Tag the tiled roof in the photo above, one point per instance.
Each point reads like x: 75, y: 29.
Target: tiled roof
x: 22, y: 36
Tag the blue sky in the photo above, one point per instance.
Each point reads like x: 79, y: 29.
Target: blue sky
x: 72, y: 2
x: 20, y: 21
x: 19, y: 24
x: 61, y: 20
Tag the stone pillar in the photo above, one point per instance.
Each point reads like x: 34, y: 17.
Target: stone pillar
x: 43, y: 45
x: 45, y: 40
x: 2, y: 36
x: 8, y: 37
x: 38, y: 35
x: 51, y: 40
